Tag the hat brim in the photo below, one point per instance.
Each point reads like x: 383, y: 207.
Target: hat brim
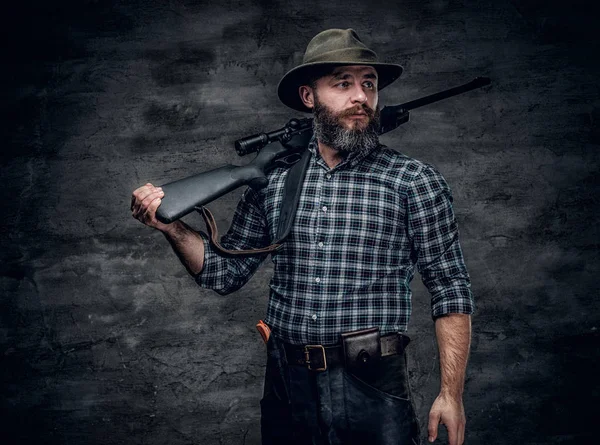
x: 288, y: 93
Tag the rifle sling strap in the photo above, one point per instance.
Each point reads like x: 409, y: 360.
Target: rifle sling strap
x: 289, y: 203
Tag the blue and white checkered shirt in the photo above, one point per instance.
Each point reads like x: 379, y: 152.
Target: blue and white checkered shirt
x: 347, y: 264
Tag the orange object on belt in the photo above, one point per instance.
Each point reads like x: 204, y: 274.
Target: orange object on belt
x: 263, y: 330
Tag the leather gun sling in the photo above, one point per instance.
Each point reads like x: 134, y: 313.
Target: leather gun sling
x: 291, y: 196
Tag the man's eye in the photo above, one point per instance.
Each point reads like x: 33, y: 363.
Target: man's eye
x: 344, y: 84
x: 369, y: 84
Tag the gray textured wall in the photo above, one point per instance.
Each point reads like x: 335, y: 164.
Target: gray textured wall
x: 104, y: 339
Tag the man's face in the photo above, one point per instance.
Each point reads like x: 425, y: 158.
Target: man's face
x: 349, y: 88
x: 345, y: 108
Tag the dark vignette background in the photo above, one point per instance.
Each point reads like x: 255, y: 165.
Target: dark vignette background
x: 104, y: 339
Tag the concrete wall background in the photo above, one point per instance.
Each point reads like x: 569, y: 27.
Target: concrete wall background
x: 103, y: 336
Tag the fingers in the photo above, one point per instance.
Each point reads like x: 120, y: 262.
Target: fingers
x: 450, y: 413
x: 150, y: 197
x: 434, y: 421
x: 150, y: 213
x: 455, y: 427
x: 144, y: 202
x: 147, y: 213
x: 140, y: 206
x: 453, y: 434
x: 140, y: 193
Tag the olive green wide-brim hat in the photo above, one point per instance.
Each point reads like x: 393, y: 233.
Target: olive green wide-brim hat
x: 333, y: 47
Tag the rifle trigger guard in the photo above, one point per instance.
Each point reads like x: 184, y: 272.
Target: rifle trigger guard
x: 289, y: 160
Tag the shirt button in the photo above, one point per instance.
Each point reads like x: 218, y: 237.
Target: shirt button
x: 314, y: 317
x: 321, y: 244
x: 328, y: 176
x: 318, y: 280
x: 324, y: 208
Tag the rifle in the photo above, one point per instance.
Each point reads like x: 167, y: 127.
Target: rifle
x: 282, y: 147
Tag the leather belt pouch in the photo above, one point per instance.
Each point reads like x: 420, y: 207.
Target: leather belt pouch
x: 362, y: 350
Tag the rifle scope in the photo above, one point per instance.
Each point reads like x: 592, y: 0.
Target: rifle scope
x: 251, y: 144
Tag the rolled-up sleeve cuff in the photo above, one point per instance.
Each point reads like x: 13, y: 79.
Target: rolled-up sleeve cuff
x: 212, y: 273
x: 453, y: 301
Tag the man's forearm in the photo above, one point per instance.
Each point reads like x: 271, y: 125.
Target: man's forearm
x: 188, y: 245
x: 453, y: 332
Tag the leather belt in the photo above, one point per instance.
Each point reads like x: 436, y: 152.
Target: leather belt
x: 319, y: 357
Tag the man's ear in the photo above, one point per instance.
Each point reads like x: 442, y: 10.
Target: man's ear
x: 307, y: 95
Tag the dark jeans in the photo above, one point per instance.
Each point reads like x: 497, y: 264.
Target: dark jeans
x: 334, y: 407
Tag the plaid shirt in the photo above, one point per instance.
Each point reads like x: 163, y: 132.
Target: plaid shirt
x: 347, y: 264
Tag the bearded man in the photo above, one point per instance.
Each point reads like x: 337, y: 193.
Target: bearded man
x: 340, y: 296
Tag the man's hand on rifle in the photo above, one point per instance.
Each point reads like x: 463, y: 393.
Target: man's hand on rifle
x: 186, y: 243
x: 144, y: 202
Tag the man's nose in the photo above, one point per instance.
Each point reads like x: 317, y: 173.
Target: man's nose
x: 358, y: 94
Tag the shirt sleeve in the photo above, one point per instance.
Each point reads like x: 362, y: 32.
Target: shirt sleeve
x: 433, y: 230
x: 248, y: 230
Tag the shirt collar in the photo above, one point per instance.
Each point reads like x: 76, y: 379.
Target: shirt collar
x: 352, y: 160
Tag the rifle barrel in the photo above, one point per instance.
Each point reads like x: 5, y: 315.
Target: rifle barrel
x: 478, y: 82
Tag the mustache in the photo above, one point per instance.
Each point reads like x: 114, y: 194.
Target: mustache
x: 358, y: 109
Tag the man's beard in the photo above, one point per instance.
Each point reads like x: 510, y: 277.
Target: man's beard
x: 330, y: 130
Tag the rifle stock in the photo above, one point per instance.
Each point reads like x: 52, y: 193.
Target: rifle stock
x: 183, y: 196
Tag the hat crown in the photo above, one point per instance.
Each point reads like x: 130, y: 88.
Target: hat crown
x: 335, y: 45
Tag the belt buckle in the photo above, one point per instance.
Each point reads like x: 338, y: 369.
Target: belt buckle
x: 307, y: 350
